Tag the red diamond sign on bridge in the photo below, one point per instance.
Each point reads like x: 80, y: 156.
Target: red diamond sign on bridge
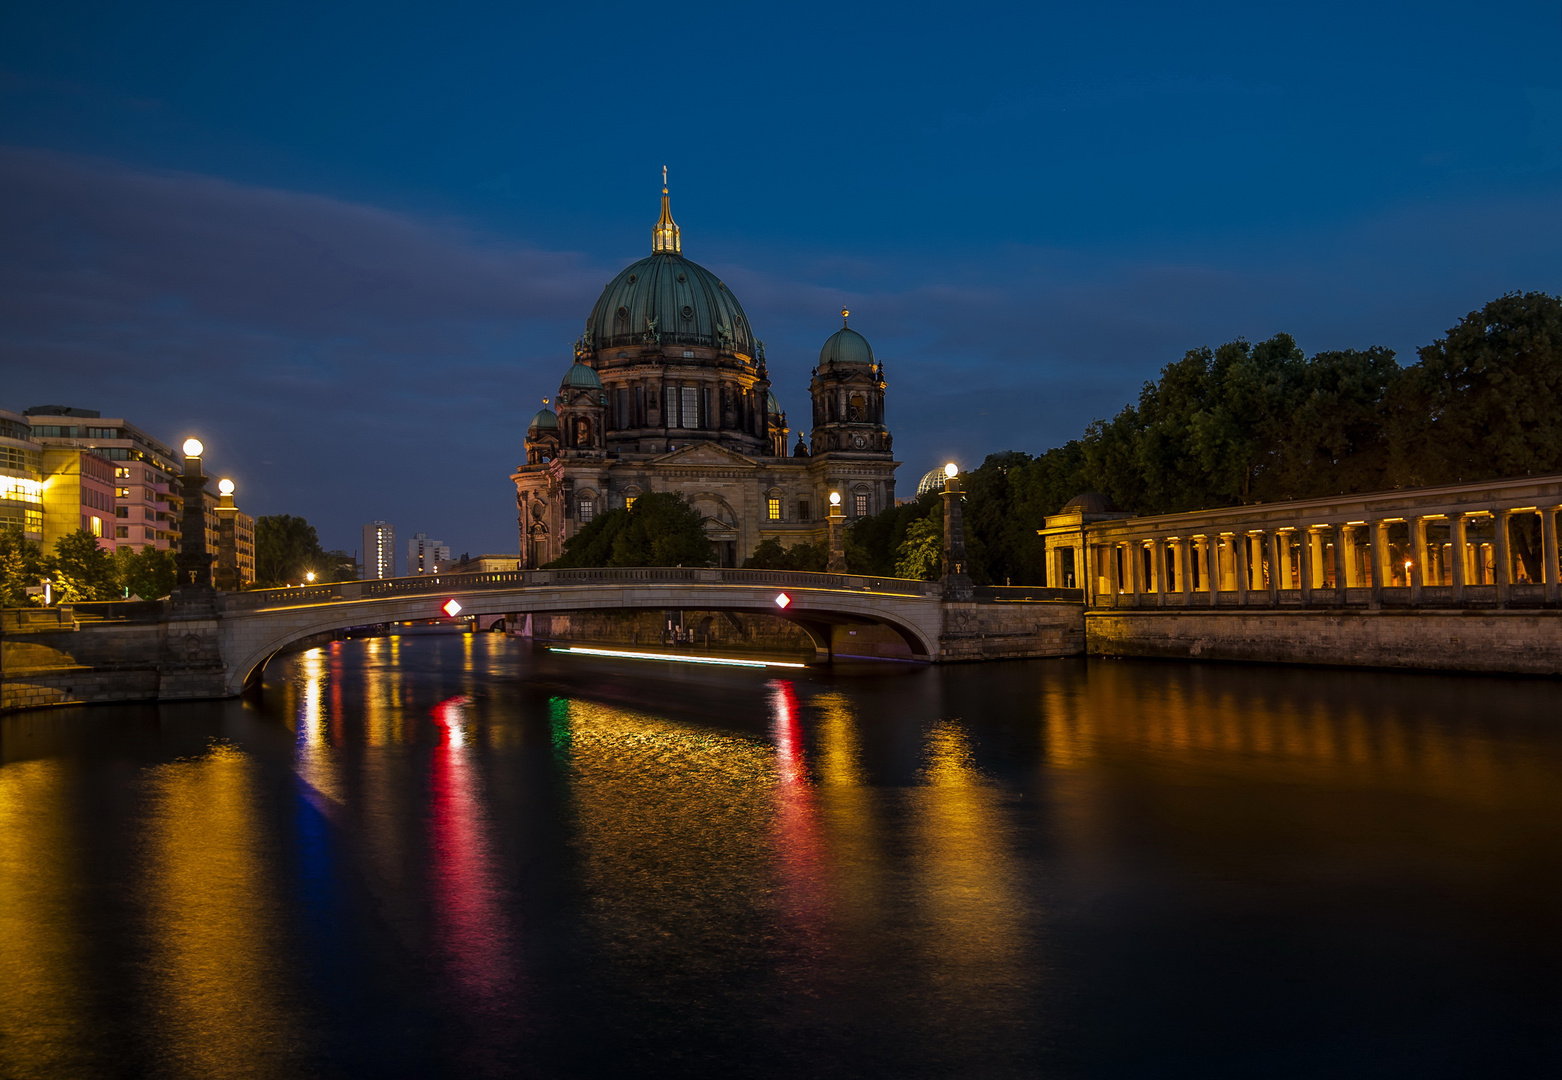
x: 782, y: 600
x: 450, y: 607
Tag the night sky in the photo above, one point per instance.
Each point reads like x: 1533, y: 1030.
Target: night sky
x: 350, y: 245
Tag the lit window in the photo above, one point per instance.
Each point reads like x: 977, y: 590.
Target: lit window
x: 691, y: 407
x: 588, y: 509
x: 862, y: 504
x: 629, y: 501
x: 773, y: 508
x: 96, y: 528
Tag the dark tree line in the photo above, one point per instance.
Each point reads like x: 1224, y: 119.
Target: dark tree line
x: 1247, y: 423
x: 660, y: 529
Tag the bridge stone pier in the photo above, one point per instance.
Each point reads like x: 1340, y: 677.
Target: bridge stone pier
x: 216, y: 644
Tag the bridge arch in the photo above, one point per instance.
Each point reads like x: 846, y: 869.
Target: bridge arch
x: 252, y: 638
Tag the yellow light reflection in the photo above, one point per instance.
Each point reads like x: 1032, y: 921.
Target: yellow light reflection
x: 43, y: 961
x: 972, y: 902
x: 214, y: 922
x: 315, y: 763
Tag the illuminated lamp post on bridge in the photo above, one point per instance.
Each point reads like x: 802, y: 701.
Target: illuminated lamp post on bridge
x: 837, y: 519
x: 194, y: 561
x: 956, y: 575
x: 226, y: 575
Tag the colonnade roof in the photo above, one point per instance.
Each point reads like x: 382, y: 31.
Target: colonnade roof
x: 1520, y: 493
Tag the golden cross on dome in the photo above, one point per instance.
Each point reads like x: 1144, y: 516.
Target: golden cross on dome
x: 664, y: 179
x: 544, y: 401
x: 844, y: 315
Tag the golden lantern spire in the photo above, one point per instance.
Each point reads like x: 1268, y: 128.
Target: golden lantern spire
x: 665, y: 236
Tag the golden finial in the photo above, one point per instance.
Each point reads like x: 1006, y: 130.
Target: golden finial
x: 545, y: 402
x: 844, y: 315
x: 664, y: 234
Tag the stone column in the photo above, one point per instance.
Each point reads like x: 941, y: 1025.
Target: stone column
x: 1274, y: 539
x: 1460, y: 541
x: 1315, y: 558
x: 1306, y: 560
x: 1548, y: 552
x: 1503, y: 557
x: 1239, y: 561
x: 1282, y: 547
x: 1418, y: 558
x: 1184, y: 566
x: 957, y: 575
x: 1136, y: 583
x: 1379, y: 533
x: 1341, y: 578
x: 1113, y: 579
x: 1159, y: 561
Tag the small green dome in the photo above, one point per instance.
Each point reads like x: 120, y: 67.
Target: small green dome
x: 846, y: 346
x: 545, y: 420
x: 581, y: 377
x: 772, y: 404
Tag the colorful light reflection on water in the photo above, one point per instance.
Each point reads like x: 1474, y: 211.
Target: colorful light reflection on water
x: 450, y: 857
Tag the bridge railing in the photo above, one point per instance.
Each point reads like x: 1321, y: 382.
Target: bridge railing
x: 328, y: 592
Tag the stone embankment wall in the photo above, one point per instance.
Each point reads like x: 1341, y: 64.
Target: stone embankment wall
x: 1511, y: 642
x: 1011, y: 631
x: 69, y: 662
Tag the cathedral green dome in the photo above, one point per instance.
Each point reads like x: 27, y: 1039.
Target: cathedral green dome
x: 666, y: 299
x: 581, y: 377
x: 545, y: 420
x: 846, y: 346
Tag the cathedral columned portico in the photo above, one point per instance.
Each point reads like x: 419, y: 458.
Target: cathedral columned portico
x: 670, y: 391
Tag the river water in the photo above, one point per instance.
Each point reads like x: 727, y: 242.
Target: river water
x: 453, y: 856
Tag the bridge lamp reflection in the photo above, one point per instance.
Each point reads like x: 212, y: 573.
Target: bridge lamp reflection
x: 782, y: 600
x: 450, y: 607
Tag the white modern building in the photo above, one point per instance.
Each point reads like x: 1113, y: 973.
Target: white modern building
x: 425, y: 556
x: 379, y: 551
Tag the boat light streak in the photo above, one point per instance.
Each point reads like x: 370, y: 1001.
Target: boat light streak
x: 724, y: 661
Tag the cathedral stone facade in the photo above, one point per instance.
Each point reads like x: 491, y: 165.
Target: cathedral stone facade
x: 669, y: 391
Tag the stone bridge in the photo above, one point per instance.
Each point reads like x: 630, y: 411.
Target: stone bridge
x: 213, y: 644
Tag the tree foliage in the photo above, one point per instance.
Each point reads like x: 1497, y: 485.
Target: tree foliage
x: 20, y: 562
x: 80, y: 570
x: 149, y: 573
x: 770, y: 555
x: 1245, y: 423
x: 286, y: 548
x: 661, y: 529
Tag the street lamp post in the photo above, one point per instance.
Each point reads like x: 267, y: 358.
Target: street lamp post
x: 956, y: 575
x: 226, y: 576
x: 837, y: 521
x: 194, y: 561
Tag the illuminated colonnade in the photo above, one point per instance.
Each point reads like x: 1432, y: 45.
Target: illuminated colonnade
x: 1470, y: 544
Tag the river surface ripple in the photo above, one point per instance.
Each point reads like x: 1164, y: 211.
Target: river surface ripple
x: 452, y: 856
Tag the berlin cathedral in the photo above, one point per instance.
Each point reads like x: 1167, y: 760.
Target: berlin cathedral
x: 669, y: 392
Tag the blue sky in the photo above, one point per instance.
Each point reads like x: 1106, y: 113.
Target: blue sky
x: 350, y: 244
